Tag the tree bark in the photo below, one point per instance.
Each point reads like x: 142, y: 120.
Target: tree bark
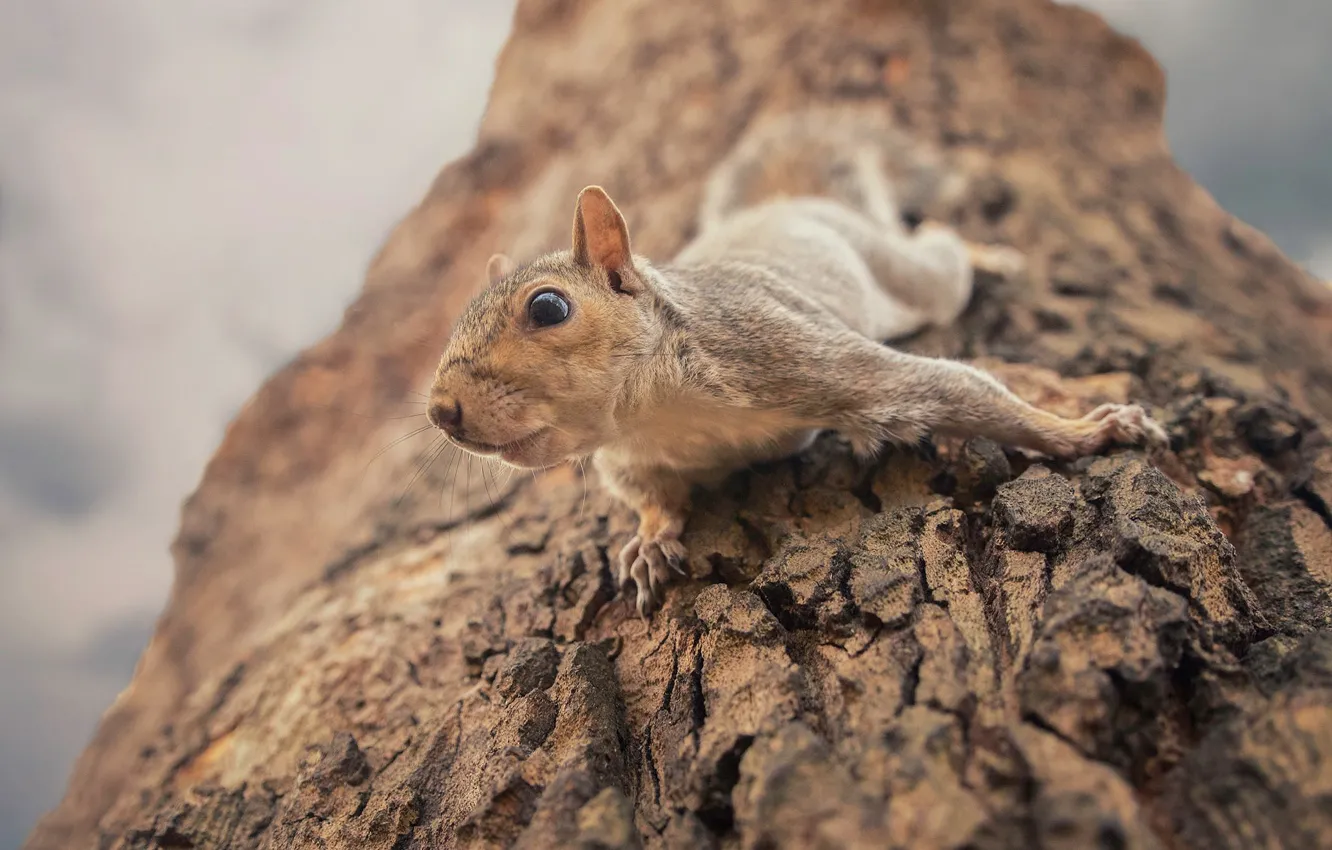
x: 954, y: 647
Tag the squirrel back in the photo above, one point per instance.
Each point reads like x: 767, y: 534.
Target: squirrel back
x: 853, y: 155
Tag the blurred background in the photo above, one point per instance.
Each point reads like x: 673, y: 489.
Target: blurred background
x: 190, y: 191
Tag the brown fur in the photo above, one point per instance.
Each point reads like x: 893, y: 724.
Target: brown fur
x: 763, y: 331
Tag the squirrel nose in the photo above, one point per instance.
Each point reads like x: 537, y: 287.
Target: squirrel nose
x: 445, y: 417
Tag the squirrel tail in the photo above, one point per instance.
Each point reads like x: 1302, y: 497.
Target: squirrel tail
x: 827, y: 151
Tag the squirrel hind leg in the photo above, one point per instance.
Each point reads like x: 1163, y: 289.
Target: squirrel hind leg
x: 877, y: 198
x: 938, y: 268
x: 929, y: 271
x: 1001, y: 260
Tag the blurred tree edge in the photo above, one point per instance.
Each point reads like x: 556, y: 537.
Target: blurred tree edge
x: 950, y: 648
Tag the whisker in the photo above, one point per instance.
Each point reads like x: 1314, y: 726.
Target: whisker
x: 485, y: 481
x: 467, y: 488
x: 406, y: 436
x: 346, y: 412
x: 582, y: 473
x: 453, y: 483
x: 434, y: 458
x: 448, y: 467
x: 494, y: 506
x: 642, y: 355
x: 421, y: 469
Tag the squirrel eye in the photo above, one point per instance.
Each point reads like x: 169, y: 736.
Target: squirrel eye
x: 548, y: 308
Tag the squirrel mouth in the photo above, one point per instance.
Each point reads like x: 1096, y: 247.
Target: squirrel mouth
x: 502, y: 449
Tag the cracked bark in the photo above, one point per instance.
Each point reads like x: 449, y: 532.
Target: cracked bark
x: 951, y: 647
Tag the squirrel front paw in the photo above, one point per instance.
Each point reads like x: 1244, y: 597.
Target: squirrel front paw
x: 1123, y: 423
x: 648, y: 561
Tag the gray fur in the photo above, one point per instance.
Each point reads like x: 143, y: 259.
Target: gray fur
x: 763, y: 331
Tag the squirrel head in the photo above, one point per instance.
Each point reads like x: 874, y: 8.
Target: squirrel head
x: 536, y: 362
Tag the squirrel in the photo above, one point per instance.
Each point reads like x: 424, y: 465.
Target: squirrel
x: 765, y: 330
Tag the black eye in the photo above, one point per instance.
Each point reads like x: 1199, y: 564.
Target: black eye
x: 548, y: 308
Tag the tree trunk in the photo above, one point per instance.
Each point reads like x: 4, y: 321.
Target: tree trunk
x: 956, y: 647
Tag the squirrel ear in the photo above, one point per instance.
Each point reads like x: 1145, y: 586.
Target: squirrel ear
x: 600, y: 237
x: 497, y: 267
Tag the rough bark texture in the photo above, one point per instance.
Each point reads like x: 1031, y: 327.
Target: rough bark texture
x: 953, y: 647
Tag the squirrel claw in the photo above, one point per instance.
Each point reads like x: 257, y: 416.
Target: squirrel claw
x: 1100, y: 412
x: 649, y: 565
x: 645, y: 603
x: 628, y: 555
x: 676, y: 563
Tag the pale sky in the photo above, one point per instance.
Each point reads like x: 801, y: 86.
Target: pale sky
x: 190, y: 192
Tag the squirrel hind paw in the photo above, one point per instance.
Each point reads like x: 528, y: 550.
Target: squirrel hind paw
x: 1001, y: 260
